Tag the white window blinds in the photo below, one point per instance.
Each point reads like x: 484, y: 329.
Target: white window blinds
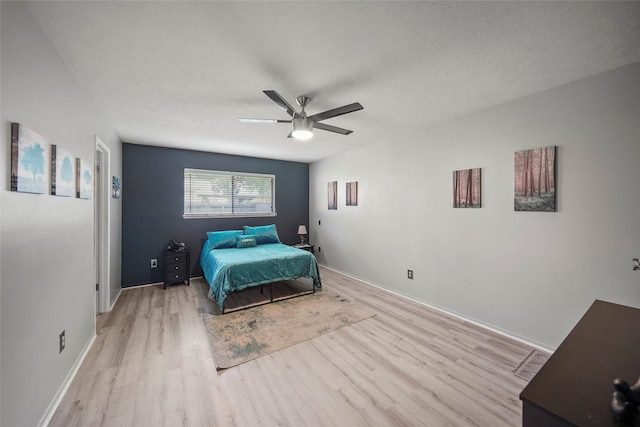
x: 224, y: 194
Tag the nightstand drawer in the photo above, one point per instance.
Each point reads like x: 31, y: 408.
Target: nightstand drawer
x: 176, y: 258
x: 174, y: 268
x: 177, y: 276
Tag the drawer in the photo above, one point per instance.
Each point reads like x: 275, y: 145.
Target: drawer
x: 175, y: 258
x: 176, y: 276
x: 174, y: 268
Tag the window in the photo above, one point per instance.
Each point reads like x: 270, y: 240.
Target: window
x: 226, y: 194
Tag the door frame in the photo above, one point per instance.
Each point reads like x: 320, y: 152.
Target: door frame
x: 103, y: 225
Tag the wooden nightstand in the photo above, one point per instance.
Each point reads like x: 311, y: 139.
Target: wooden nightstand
x: 176, y: 267
x: 306, y: 247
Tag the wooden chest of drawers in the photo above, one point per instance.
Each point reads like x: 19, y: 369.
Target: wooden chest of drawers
x: 575, y: 386
x: 176, y: 268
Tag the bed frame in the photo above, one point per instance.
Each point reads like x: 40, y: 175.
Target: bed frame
x: 271, y: 300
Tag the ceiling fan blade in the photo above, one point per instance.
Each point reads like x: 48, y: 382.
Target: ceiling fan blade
x: 282, y: 103
x: 336, y: 112
x: 330, y: 128
x: 264, y: 121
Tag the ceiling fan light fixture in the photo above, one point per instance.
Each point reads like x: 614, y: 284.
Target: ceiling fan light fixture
x: 302, y: 125
x: 302, y: 128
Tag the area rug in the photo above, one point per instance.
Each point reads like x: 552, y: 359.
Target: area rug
x: 531, y: 365
x: 245, y: 335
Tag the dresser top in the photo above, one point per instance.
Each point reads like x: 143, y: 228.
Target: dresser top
x: 576, y: 383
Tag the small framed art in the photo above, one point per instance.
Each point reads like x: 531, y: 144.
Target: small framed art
x: 115, y: 187
x: 352, y: 193
x: 63, y: 173
x: 332, y: 195
x: 535, y: 180
x: 84, y: 179
x: 30, y: 160
x: 467, y: 188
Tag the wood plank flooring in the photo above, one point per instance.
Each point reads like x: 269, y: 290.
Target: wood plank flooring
x: 407, y: 366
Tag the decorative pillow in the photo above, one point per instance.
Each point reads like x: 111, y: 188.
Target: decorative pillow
x: 223, y: 239
x: 264, y: 234
x: 246, y: 241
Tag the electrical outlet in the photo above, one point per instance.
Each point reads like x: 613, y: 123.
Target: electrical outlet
x: 62, y: 341
x: 154, y: 263
x: 410, y: 274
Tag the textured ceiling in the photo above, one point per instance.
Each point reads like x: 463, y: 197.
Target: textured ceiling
x: 180, y: 74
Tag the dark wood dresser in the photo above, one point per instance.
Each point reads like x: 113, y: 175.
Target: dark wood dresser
x: 575, y: 386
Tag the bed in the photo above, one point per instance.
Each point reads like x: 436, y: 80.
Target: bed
x: 234, y: 260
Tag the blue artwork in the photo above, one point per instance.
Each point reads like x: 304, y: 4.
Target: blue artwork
x: 115, y: 187
x: 29, y: 161
x: 63, y: 182
x: 84, y: 178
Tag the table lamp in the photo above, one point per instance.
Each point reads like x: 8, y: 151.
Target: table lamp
x: 302, y: 231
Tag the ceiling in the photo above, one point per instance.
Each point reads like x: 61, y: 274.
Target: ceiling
x: 180, y: 74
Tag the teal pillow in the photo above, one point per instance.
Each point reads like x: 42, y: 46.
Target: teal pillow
x: 246, y: 241
x: 223, y: 239
x: 264, y: 234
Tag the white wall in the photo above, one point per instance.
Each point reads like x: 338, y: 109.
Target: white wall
x: 46, y: 247
x: 531, y: 275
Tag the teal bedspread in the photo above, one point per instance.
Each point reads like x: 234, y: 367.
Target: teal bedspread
x: 229, y: 270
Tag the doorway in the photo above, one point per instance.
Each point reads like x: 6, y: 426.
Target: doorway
x: 102, y: 226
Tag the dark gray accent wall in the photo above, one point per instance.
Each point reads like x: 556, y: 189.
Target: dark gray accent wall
x: 153, y: 200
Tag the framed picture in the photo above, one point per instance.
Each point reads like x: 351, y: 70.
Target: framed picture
x: 115, y: 187
x: 30, y: 160
x: 352, y: 193
x: 84, y: 179
x: 535, y: 180
x: 63, y: 173
x: 467, y: 188
x: 332, y: 195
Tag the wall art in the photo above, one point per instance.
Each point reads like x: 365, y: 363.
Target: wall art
x: 63, y: 173
x: 84, y: 178
x: 30, y: 160
x: 535, y: 180
x: 115, y: 187
x: 467, y: 188
x: 332, y: 194
x: 352, y: 193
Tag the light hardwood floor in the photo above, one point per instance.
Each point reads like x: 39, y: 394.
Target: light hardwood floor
x: 407, y: 366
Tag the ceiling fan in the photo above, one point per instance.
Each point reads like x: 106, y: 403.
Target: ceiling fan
x: 303, y: 125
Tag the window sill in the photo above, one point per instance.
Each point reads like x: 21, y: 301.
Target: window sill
x: 252, y: 215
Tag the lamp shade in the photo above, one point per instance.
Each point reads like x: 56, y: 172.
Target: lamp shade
x: 302, y: 229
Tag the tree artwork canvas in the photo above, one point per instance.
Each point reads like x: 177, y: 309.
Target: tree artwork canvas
x: 535, y: 180
x: 30, y: 154
x: 115, y: 187
x: 466, y: 188
x: 352, y: 193
x: 84, y: 179
x: 332, y: 195
x: 63, y: 173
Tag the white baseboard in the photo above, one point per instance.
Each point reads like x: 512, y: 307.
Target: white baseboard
x: 48, y: 414
x: 143, y: 285
x: 113, y: 304
x: 153, y: 284
x: 476, y: 322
